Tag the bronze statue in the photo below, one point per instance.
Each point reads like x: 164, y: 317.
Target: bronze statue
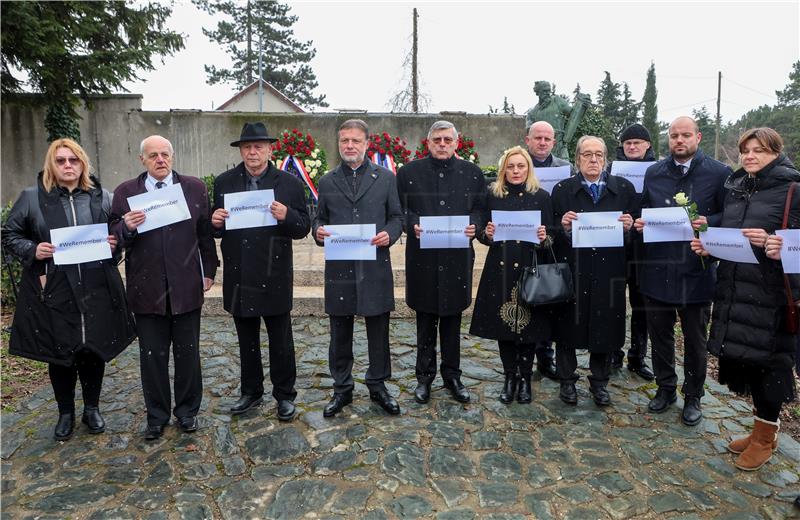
x: 557, y: 111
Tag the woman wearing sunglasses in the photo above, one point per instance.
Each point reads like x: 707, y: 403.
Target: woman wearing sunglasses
x: 73, y: 317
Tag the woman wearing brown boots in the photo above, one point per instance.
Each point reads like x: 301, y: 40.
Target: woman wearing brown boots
x: 750, y: 332
x: 498, y: 314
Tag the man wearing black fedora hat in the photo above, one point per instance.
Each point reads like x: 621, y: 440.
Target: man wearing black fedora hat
x: 257, y: 263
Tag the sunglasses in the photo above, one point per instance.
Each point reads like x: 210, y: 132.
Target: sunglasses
x: 74, y: 161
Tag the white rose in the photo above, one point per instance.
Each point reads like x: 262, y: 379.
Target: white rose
x: 399, y: 164
x: 472, y: 158
x: 308, y: 163
x: 317, y: 163
x: 314, y: 154
x: 314, y: 172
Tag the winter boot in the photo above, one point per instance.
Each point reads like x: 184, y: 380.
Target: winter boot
x: 763, y: 441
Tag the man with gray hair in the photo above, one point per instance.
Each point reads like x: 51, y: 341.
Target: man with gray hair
x: 359, y: 192
x: 439, y: 281
x: 166, y: 271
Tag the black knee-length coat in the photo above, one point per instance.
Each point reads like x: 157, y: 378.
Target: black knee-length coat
x: 596, y: 319
x: 497, y: 314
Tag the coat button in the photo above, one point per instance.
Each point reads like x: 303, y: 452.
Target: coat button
x: 441, y: 268
x: 441, y: 175
x: 517, y: 241
x: 516, y: 264
x: 441, y: 203
x: 501, y: 262
x: 520, y: 194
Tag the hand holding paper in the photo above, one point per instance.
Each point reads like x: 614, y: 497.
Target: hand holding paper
x: 728, y: 244
x: 788, y: 242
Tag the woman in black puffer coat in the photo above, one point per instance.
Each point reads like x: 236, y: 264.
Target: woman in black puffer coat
x: 748, y: 329
x: 74, y: 316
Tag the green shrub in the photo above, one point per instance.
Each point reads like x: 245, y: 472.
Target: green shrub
x: 11, y: 270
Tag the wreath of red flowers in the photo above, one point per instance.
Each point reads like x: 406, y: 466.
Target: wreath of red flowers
x: 384, y: 144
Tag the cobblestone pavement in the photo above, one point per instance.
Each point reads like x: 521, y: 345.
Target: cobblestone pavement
x: 442, y: 460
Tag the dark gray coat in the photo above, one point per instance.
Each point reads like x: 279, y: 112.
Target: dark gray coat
x: 364, y: 288
x: 257, y: 262
x: 439, y: 281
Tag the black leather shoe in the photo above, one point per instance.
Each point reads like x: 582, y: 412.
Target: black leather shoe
x: 568, y: 394
x: 188, y: 424
x: 65, y: 427
x: 616, y: 359
x: 336, y: 404
x: 662, y: 400
x: 457, y: 390
x: 153, y: 432
x: 286, y: 410
x: 548, y: 369
x: 385, y: 401
x: 245, y: 403
x: 640, y: 368
x: 509, y: 389
x: 692, y: 414
x: 422, y: 394
x: 525, y: 395
x: 601, y: 397
x: 93, y: 419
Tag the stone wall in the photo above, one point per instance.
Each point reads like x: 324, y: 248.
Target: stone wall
x: 112, y: 130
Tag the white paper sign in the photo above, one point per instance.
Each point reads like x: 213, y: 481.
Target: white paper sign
x: 728, y: 244
x: 550, y: 176
x: 249, y: 209
x: 78, y: 244
x: 631, y: 170
x: 516, y: 225
x: 790, y: 251
x: 161, y: 207
x: 350, y: 242
x: 666, y: 225
x: 598, y: 229
x: 443, y: 232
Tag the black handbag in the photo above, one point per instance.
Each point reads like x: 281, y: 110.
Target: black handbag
x: 543, y: 284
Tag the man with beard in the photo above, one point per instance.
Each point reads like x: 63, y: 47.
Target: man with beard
x: 257, y: 281
x: 674, y: 281
x: 359, y: 192
x: 635, y: 146
x: 439, y: 281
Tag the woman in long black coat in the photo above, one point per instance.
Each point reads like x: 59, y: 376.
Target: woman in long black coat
x: 748, y: 324
x: 596, y: 319
x: 74, y: 317
x: 498, y: 314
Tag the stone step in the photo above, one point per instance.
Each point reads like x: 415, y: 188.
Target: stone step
x: 310, y: 301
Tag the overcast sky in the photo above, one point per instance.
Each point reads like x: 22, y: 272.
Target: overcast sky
x: 472, y: 54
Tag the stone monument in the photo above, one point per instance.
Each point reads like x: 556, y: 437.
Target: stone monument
x: 557, y: 111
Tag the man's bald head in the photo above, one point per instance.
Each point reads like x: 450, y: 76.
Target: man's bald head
x: 540, y: 140
x: 156, y: 154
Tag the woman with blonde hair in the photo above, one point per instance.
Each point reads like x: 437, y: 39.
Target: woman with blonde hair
x: 74, y: 316
x: 498, y: 314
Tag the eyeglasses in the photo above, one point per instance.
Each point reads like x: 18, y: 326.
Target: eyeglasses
x: 74, y: 161
x: 446, y: 140
x: 597, y: 155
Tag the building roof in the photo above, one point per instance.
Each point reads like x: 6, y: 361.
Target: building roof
x: 268, y: 87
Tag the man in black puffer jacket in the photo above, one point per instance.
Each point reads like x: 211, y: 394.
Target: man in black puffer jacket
x: 674, y: 281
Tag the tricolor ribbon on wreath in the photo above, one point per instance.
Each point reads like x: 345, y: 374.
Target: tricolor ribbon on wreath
x: 384, y: 159
x: 294, y: 166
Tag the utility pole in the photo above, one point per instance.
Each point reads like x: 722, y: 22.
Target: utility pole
x: 719, y: 94
x: 414, y: 82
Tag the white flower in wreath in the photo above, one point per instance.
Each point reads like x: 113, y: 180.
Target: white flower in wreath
x: 314, y: 153
x: 472, y: 158
x: 399, y: 164
x: 317, y: 163
x: 309, y: 163
x: 314, y: 172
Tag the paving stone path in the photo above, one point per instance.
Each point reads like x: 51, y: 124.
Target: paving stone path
x: 442, y: 460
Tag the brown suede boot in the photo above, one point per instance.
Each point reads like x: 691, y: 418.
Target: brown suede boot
x: 763, y: 441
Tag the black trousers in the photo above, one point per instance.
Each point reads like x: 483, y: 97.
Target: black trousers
x: 661, y: 328
x: 156, y: 333
x: 282, y: 368
x: 544, y: 352
x: 89, y: 368
x: 450, y: 344
x: 340, y: 352
x: 567, y: 363
x: 638, y: 326
x: 517, y: 358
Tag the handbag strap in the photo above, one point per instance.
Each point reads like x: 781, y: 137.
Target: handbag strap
x: 785, y: 224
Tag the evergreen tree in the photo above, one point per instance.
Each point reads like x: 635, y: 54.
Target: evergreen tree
x: 285, y: 59
x: 790, y: 96
x: 629, y: 109
x: 609, y: 101
x: 707, y: 127
x: 507, y: 109
x: 650, y: 109
x: 72, y: 50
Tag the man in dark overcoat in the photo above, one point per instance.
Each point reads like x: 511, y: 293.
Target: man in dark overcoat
x: 674, y: 281
x: 257, y: 277
x: 439, y: 281
x: 167, y: 269
x: 596, y: 319
x: 359, y: 192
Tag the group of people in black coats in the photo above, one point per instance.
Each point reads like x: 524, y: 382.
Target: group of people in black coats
x: 76, y: 317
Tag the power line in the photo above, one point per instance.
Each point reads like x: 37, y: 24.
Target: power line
x: 771, y: 96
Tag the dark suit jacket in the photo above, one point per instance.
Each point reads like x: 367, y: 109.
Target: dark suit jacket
x: 365, y: 288
x: 170, y: 261
x: 257, y: 279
